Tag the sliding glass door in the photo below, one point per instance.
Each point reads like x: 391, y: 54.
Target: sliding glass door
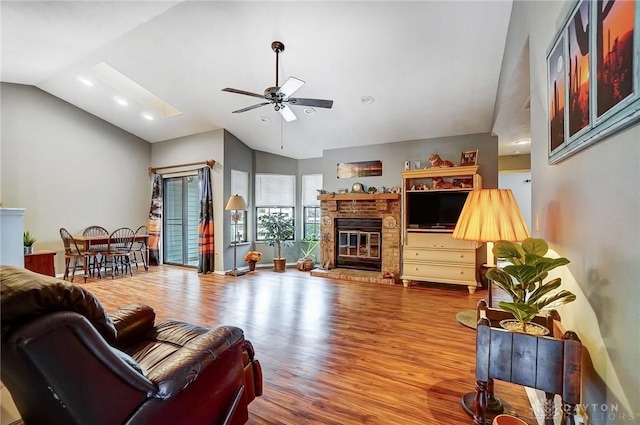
x: 181, y: 216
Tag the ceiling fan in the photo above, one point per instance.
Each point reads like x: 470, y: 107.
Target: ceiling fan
x: 279, y: 96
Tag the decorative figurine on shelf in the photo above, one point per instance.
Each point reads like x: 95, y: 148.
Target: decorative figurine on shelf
x: 322, y: 191
x: 439, y: 183
x: 395, y: 189
x: 436, y: 161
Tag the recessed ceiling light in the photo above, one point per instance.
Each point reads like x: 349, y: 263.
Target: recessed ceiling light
x: 367, y: 100
x: 309, y: 111
x: 264, y: 119
x: 122, y: 101
x: 522, y: 142
x: 85, y: 81
x: 148, y: 116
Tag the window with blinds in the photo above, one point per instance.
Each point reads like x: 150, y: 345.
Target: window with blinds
x: 311, y: 206
x: 240, y: 186
x: 274, y: 193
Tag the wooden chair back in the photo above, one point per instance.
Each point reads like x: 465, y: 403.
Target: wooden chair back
x: 546, y: 363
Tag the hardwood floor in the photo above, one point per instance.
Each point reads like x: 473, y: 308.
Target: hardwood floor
x: 333, y: 352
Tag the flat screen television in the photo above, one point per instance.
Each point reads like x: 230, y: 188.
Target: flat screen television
x: 434, y: 210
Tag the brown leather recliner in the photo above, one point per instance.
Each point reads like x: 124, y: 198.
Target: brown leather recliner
x: 66, y: 361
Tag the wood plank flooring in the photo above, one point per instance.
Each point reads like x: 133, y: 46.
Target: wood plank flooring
x: 333, y: 352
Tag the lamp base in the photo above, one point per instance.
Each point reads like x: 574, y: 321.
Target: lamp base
x: 235, y: 272
x: 495, y: 406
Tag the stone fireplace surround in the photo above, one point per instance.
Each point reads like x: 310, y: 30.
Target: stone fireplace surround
x: 385, y: 206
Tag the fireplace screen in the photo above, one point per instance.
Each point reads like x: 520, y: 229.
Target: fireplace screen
x: 359, y: 243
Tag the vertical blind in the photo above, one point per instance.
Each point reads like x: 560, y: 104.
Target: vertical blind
x: 275, y: 190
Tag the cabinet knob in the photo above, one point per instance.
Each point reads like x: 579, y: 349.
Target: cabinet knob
x: 461, y: 272
x: 461, y: 255
x: 416, y: 269
x: 417, y: 254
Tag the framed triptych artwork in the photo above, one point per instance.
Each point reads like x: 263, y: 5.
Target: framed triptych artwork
x: 593, y: 75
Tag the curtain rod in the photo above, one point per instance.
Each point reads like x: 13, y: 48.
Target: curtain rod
x: 209, y: 163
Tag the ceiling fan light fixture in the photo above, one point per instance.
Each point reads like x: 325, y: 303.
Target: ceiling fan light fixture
x: 367, y: 100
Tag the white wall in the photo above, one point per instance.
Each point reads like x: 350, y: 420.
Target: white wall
x: 68, y: 168
x: 520, y: 185
x: 196, y: 148
x: 588, y: 208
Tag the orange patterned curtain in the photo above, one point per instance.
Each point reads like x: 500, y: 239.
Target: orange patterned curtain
x: 205, y: 227
x: 155, y: 220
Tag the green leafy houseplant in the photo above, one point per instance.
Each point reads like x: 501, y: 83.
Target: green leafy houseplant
x: 28, y: 239
x: 277, y: 230
x: 312, y: 244
x: 308, y: 260
x: 523, y: 279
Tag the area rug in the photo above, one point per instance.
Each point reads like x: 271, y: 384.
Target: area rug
x: 467, y: 318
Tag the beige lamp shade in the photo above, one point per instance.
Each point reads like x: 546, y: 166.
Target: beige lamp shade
x: 491, y: 215
x: 236, y: 203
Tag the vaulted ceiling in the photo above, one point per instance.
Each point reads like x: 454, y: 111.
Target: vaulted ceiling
x: 431, y: 67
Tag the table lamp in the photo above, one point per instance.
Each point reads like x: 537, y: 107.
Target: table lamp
x: 236, y: 205
x: 490, y: 215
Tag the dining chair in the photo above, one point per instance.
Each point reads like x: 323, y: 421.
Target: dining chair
x: 140, y: 247
x: 118, y: 252
x: 74, y: 258
x: 98, y: 248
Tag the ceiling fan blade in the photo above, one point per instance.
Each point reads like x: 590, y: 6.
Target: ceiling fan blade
x: 318, y: 103
x: 247, y: 93
x: 291, y: 85
x: 287, y: 113
x: 248, y: 108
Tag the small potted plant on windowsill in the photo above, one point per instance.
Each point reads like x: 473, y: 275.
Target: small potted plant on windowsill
x: 27, y: 241
x: 277, y: 230
x: 308, y: 259
x: 523, y: 280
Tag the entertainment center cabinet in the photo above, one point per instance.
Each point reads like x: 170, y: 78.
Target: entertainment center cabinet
x: 432, y: 201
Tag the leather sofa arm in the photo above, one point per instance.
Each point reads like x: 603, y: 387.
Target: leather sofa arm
x: 183, y: 367
x: 132, y: 322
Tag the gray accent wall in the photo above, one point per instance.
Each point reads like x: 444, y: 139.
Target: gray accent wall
x: 588, y: 208
x: 68, y: 168
x: 239, y: 157
x: 394, y: 155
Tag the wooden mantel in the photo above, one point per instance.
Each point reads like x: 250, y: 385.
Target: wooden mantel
x: 359, y: 197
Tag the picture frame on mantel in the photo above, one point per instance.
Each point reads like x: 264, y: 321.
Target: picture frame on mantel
x: 593, y: 75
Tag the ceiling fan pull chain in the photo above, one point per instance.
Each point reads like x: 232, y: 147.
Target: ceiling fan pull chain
x: 281, y: 134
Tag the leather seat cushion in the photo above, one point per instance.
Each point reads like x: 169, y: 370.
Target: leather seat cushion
x: 25, y: 294
x: 167, y: 338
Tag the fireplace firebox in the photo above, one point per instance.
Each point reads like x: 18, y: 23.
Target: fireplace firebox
x: 358, y: 243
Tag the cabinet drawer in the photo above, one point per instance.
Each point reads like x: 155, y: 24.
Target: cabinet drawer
x: 439, y: 273
x: 437, y: 240
x: 467, y: 257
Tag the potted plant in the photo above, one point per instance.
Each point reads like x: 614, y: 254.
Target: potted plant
x: 27, y: 241
x: 277, y: 230
x: 308, y: 259
x: 523, y: 280
x: 252, y: 257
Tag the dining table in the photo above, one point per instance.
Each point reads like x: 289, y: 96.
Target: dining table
x: 85, y: 242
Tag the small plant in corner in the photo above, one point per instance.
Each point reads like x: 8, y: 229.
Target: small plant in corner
x: 523, y: 279
x: 308, y: 260
x: 27, y: 241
